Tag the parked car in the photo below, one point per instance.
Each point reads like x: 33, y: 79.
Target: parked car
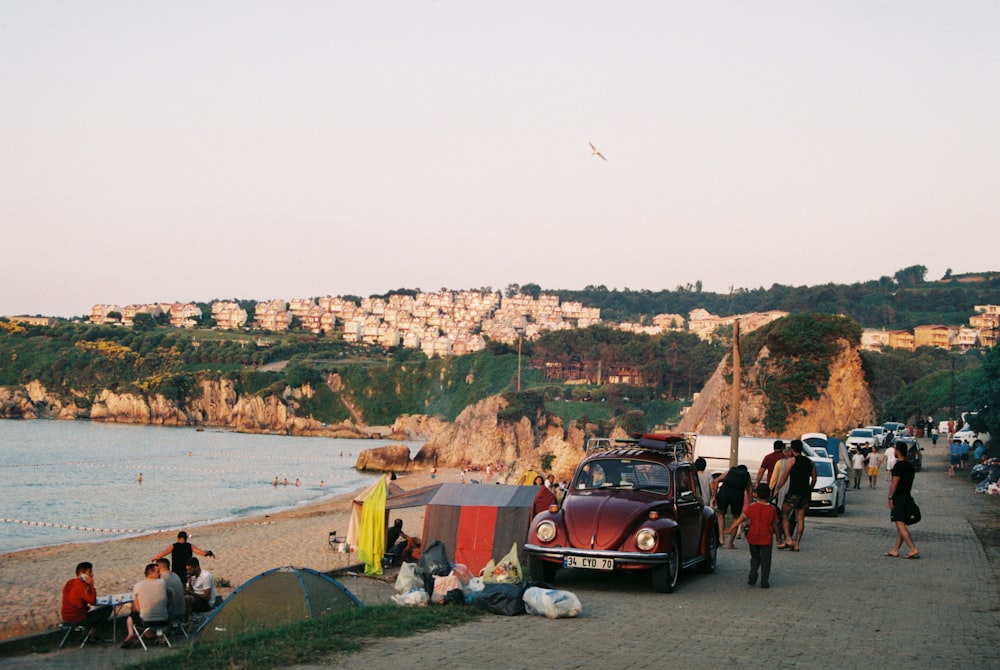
x: 860, y: 438
x: 969, y: 436
x: 896, y: 427
x: 914, y: 452
x: 879, y: 433
x: 830, y: 493
x: 628, y: 508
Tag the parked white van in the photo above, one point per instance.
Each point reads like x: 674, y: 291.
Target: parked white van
x: 752, y: 450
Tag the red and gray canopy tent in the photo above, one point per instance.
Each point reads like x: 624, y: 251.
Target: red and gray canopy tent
x: 475, y: 522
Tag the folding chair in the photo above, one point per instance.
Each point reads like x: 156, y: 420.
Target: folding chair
x: 177, y: 624
x: 159, y: 627
x: 70, y: 628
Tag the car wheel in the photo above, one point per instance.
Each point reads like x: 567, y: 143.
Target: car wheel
x: 665, y: 576
x: 708, y: 565
x: 542, y: 571
x: 843, y: 504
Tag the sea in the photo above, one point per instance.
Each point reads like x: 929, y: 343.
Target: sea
x: 79, y: 481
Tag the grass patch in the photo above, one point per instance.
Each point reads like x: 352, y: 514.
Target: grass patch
x: 311, y: 640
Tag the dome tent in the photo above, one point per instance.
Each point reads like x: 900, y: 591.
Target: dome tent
x: 274, y: 598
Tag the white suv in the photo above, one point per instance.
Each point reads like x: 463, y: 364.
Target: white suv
x: 879, y: 433
x: 966, y: 434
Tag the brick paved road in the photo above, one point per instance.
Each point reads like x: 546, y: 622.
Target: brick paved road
x: 838, y: 603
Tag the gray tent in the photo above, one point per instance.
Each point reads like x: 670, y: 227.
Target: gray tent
x: 276, y: 597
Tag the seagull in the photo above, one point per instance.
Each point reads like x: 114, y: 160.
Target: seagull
x: 595, y: 152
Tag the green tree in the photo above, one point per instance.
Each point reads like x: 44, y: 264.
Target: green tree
x: 986, y: 394
x: 911, y: 276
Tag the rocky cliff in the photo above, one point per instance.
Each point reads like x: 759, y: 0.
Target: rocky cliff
x: 215, y: 404
x: 478, y: 437
x: 844, y: 403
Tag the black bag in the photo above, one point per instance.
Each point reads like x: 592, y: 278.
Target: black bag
x: 912, y: 512
x: 506, y: 599
x: 434, y: 562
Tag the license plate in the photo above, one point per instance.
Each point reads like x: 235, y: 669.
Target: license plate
x: 589, y: 563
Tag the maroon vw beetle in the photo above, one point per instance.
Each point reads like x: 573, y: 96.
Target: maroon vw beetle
x: 634, y: 506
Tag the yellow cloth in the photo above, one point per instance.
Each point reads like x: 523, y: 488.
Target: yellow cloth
x: 371, y: 544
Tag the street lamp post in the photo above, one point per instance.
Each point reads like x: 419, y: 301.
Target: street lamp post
x: 518, y: 361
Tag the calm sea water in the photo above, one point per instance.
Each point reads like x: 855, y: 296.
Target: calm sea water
x: 77, y: 481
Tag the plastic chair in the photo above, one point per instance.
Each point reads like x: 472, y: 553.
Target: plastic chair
x: 70, y: 628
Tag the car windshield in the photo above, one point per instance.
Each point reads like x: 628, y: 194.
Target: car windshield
x: 861, y: 433
x: 824, y: 468
x: 623, y: 473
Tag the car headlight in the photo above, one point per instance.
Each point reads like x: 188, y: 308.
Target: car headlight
x: 546, y: 531
x: 826, y: 489
x: 645, y: 539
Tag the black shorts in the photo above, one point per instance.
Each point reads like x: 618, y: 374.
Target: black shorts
x: 729, y: 503
x: 899, y: 506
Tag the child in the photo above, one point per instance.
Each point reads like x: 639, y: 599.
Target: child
x: 763, y: 520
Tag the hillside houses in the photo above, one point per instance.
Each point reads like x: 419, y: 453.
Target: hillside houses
x: 980, y: 333
x: 451, y: 323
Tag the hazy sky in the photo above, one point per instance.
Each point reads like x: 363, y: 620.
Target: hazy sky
x: 160, y: 151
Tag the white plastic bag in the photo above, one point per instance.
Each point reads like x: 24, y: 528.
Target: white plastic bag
x: 475, y: 585
x: 414, y: 597
x: 551, y: 603
x: 410, y: 577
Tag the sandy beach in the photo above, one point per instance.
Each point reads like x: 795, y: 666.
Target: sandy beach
x: 32, y: 580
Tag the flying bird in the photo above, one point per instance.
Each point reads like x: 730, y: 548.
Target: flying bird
x: 595, y: 152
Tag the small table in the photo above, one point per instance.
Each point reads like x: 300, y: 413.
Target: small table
x: 117, y: 602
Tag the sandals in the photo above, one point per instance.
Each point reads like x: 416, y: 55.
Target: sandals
x: 784, y: 546
x: 889, y: 554
x: 911, y: 557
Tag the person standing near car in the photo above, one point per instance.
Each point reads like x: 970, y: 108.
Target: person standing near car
x: 890, y: 460
x: 735, y: 489
x: 900, y: 489
x: 801, y: 480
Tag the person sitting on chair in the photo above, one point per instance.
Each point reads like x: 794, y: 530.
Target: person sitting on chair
x: 79, y: 601
x: 400, y: 544
x: 199, y: 594
x: 175, y: 590
x: 150, y: 605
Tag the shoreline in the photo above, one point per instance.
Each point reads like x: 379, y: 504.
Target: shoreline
x: 299, y: 536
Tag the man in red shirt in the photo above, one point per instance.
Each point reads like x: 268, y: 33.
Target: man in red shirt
x: 79, y: 600
x: 763, y: 520
x: 768, y: 463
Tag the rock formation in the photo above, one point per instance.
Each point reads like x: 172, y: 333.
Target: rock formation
x: 846, y: 402
x: 390, y: 458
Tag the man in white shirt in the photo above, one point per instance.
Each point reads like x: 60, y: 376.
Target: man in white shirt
x: 200, y: 591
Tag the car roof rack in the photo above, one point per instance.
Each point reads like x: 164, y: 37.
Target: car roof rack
x: 674, y: 445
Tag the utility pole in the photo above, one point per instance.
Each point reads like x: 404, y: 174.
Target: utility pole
x: 734, y: 405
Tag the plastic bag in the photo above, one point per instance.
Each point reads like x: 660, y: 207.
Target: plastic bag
x: 442, y: 585
x: 409, y: 577
x: 503, y: 599
x: 414, y: 597
x: 551, y: 603
x: 505, y: 571
x: 475, y: 585
x: 462, y: 572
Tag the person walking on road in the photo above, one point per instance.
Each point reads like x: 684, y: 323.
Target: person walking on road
x: 857, y: 467
x: 801, y: 480
x: 763, y: 520
x: 899, y: 500
x: 874, y: 460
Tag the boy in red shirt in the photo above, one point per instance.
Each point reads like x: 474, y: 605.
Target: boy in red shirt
x: 763, y: 520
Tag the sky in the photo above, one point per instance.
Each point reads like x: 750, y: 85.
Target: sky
x: 194, y: 150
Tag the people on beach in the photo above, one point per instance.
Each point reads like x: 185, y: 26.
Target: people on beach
x: 175, y: 589
x: 543, y: 499
x: 199, y: 594
x: 900, y: 490
x: 801, y: 480
x: 150, y: 605
x: 79, y: 600
x: 180, y: 551
x: 140, y: 478
x: 763, y: 529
